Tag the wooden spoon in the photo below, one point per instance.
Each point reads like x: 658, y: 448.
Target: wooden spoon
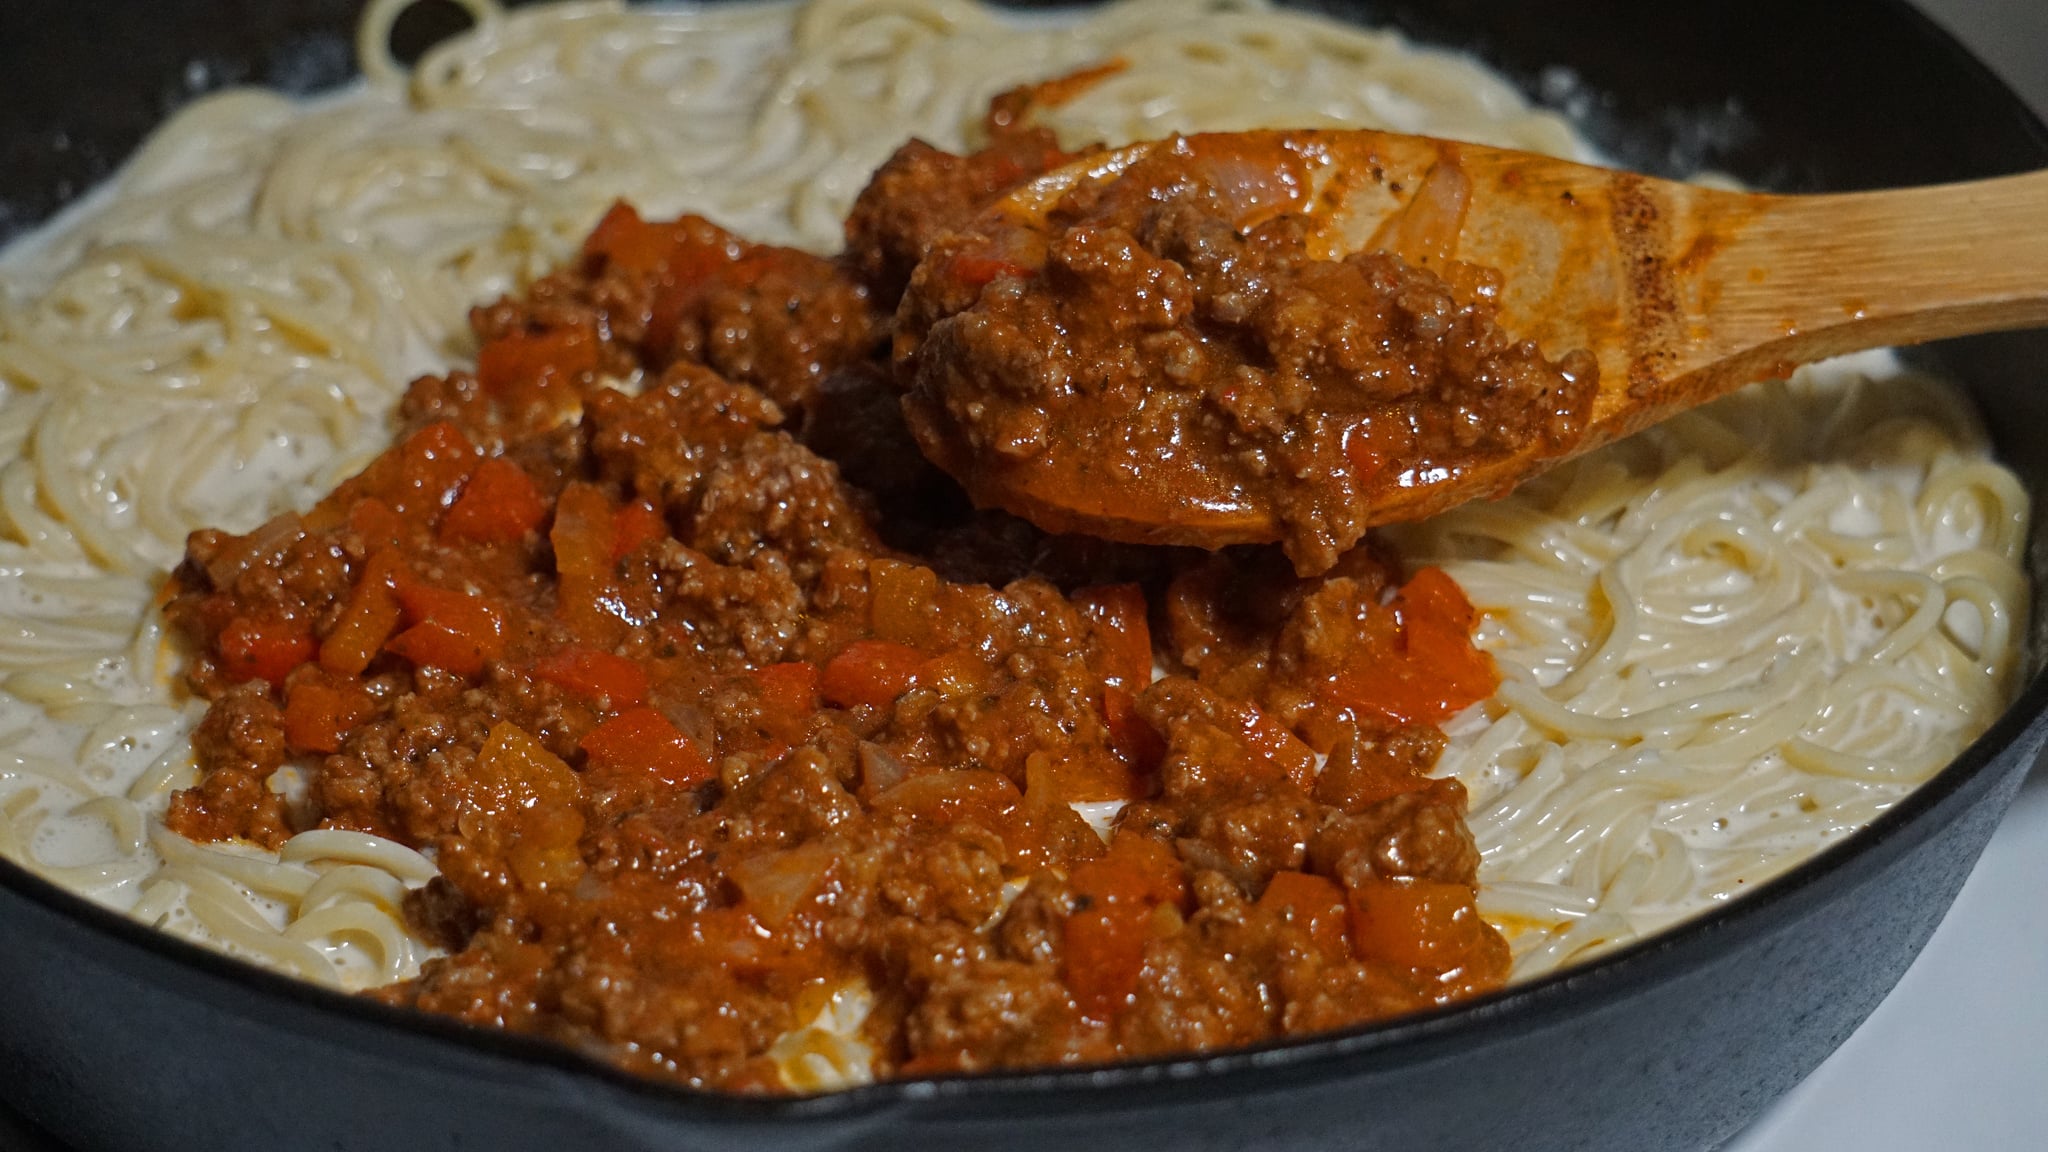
x: 1683, y: 293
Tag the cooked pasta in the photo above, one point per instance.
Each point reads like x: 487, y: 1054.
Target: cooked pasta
x: 1726, y: 641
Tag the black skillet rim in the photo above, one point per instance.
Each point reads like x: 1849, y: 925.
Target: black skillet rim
x: 1683, y: 947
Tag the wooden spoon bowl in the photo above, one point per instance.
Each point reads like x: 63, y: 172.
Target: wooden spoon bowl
x: 1680, y: 292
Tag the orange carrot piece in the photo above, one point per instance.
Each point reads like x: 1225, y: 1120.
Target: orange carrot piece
x: 642, y: 740
x: 443, y: 647
x: 1436, y: 630
x: 584, y: 533
x: 453, y: 631
x: 499, y: 505
x: 253, y: 649
x: 873, y: 672
x: 367, y: 621
x: 1134, y: 740
x: 1119, y: 614
x: 900, y: 599
x: 535, y: 357
x: 431, y: 464
x: 789, y: 689
x: 1314, y: 902
x: 1105, y: 938
x: 1136, y: 869
x: 319, y: 714
x: 1271, y: 739
x: 626, y: 242
x: 596, y: 676
x: 635, y: 525
x: 374, y: 521
x: 1436, y: 671
x: 1424, y: 924
x: 1104, y: 956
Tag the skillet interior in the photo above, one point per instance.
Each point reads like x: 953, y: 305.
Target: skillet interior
x: 1828, y: 100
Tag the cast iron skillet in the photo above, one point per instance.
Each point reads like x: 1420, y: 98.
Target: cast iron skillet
x: 123, y: 1039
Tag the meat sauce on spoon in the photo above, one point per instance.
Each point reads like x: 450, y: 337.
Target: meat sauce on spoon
x: 1292, y: 336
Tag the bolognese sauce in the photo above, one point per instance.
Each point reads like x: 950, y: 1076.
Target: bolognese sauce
x: 1168, y: 339
x: 693, y: 748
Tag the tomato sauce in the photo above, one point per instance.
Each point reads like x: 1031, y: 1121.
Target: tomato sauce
x: 692, y: 744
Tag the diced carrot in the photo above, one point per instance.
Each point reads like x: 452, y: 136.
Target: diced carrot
x: 1385, y: 689
x: 1104, y: 956
x: 873, y: 672
x: 1079, y: 779
x: 626, y: 242
x: 900, y: 599
x: 1166, y: 879
x: 1365, y: 458
x: 530, y: 797
x: 375, y: 522
x: 461, y: 611
x: 499, y: 505
x: 367, y: 621
x: 516, y: 773
x: 583, y: 537
x: 453, y: 631
x: 1134, y: 740
x: 1436, y: 628
x: 1314, y: 902
x: 1271, y: 739
x: 596, y: 676
x: 1119, y: 614
x: 699, y: 265
x: 1432, y: 590
x: 1436, y: 670
x: 1424, y: 924
x: 432, y: 464
x: 413, y: 481
x: 788, y: 690
x: 252, y: 649
x: 975, y: 269
x: 953, y: 673
x: 534, y: 357
x: 635, y: 525
x: 547, y: 851
x: 439, y: 646
x: 642, y: 740
x: 1136, y: 869
x: 318, y: 714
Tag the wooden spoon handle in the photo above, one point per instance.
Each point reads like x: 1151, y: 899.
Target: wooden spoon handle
x: 1776, y: 281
